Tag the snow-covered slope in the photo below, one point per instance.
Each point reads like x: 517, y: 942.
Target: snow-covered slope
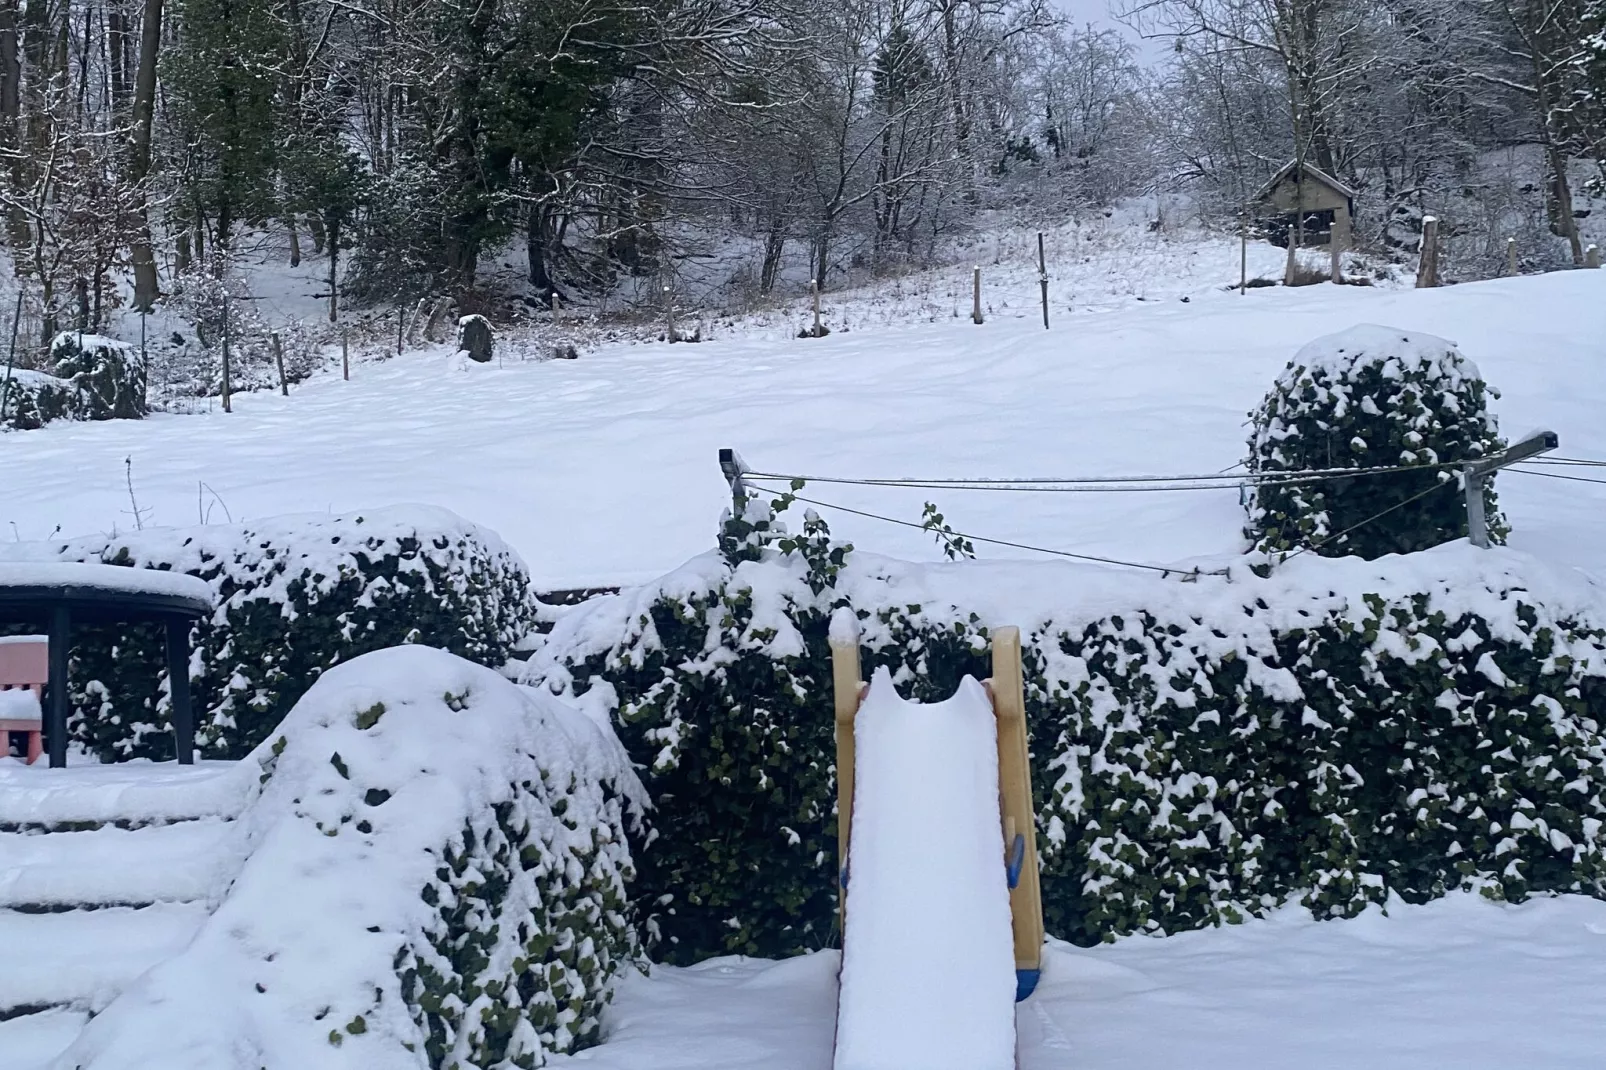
x: 602, y: 470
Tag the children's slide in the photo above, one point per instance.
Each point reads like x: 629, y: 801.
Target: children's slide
x: 942, y: 926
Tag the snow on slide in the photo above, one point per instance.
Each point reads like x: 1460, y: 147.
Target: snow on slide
x: 928, y: 965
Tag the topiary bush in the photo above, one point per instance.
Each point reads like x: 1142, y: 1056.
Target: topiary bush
x: 1203, y: 751
x: 93, y: 378
x: 432, y: 874
x: 295, y: 596
x: 1370, y: 397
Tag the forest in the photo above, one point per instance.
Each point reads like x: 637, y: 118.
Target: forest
x: 402, y: 144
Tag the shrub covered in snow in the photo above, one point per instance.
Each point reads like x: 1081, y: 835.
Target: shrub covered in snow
x: 1334, y: 733
x: 1370, y: 397
x: 295, y: 595
x: 434, y: 875
x: 92, y: 378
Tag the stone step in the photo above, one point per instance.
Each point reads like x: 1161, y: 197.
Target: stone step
x: 190, y: 861
x: 84, y: 958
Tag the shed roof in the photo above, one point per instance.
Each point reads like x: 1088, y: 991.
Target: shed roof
x: 1311, y: 171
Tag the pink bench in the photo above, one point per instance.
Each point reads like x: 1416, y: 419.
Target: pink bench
x: 24, y: 669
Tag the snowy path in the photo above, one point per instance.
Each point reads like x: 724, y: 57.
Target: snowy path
x: 603, y: 469
x: 1460, y: 983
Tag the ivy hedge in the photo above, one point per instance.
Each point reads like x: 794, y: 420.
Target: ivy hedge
x: 1334, y: 733
x: 1368, y: 398
x: 295, y: 596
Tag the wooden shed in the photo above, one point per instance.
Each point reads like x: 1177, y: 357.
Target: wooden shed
x: 1318, y: 206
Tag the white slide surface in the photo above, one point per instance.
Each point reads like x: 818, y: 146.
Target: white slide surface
x: 928, y: 967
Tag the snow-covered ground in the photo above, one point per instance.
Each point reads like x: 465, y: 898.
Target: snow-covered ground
x: 603, y: 470
x: 1459, y: 984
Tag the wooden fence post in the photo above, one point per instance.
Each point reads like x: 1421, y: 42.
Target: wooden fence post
x: 975, y: 304
x: 669, y: 316
x: 345, y: 356
x: 849, y: 688
x: 1042, y: 277
x: 557, y: 314
x: 1015, y: 792
x: 1336, y: 250
x: 814, y: 291
x: 228, y: 405
x: 1592, y: 256
x: 1293, y: 256
x: 1427, y: 269
x: 278, y: 360
x: 1243, y: 253
x: 1511, y: 256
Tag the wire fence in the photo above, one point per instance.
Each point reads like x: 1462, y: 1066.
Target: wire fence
x: 1222, y: 480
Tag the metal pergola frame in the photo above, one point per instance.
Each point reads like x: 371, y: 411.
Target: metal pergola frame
x: 57, y: 606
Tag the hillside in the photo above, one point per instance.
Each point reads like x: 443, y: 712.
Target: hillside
x: 602, y: 470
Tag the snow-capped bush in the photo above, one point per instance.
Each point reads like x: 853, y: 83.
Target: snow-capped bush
x: 91, y: 378
x: 434, y: 875
x: 1334, y: 733
x: 1370, y: 397
x: 295, y: 596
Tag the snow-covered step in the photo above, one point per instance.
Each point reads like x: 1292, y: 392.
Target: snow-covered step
x: 134, y: 793
x: 187, y: 861
x: 31, y: 1041
x: 84, y: 958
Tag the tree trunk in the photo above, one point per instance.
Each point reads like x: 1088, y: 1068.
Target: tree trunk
x: 315, y: 228
x: 10, y: 111
x: 334, y: 270
x: 774, y: 245
x: 295, y: 241
x: 1566, y: 224
x: 143, y: 256
x: 538, y: 230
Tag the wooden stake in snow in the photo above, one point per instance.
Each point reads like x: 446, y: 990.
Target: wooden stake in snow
x: 345, y: 356
x: 975, y: 305
x: 1511, y: 256
x: 1427, y: 270
x: 1335, y: 248
x: 1243, y: 253
x: 278, y: 360
x: 557, y: 314
x: 1592, y: 256
x: 401, y: 329
x: 1293, y: 257
x: 1042, y: 277
x: 814, y: 290
x: 669, y: 316
x: 227, y: 405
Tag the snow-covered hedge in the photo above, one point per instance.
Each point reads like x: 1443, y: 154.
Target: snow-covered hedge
x: 1333, y: 733
x: 1371, y: 397
x: 93, y: 378
x: 295, y: 595
x: 434, y: 876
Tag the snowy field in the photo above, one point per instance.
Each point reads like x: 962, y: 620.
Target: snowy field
x: 1459, y: 984
x: 603, y: 470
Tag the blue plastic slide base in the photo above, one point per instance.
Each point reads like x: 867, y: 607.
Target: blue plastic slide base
x: 1026, y: 983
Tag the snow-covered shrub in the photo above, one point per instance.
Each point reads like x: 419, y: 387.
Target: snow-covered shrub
x: 1370, y: 397
x: 91, y: 378
x: 433, y: 875
x: 1334, y: 733
x: 295, y: 596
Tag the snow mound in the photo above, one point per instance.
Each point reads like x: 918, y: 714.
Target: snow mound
x: 379, y: 785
